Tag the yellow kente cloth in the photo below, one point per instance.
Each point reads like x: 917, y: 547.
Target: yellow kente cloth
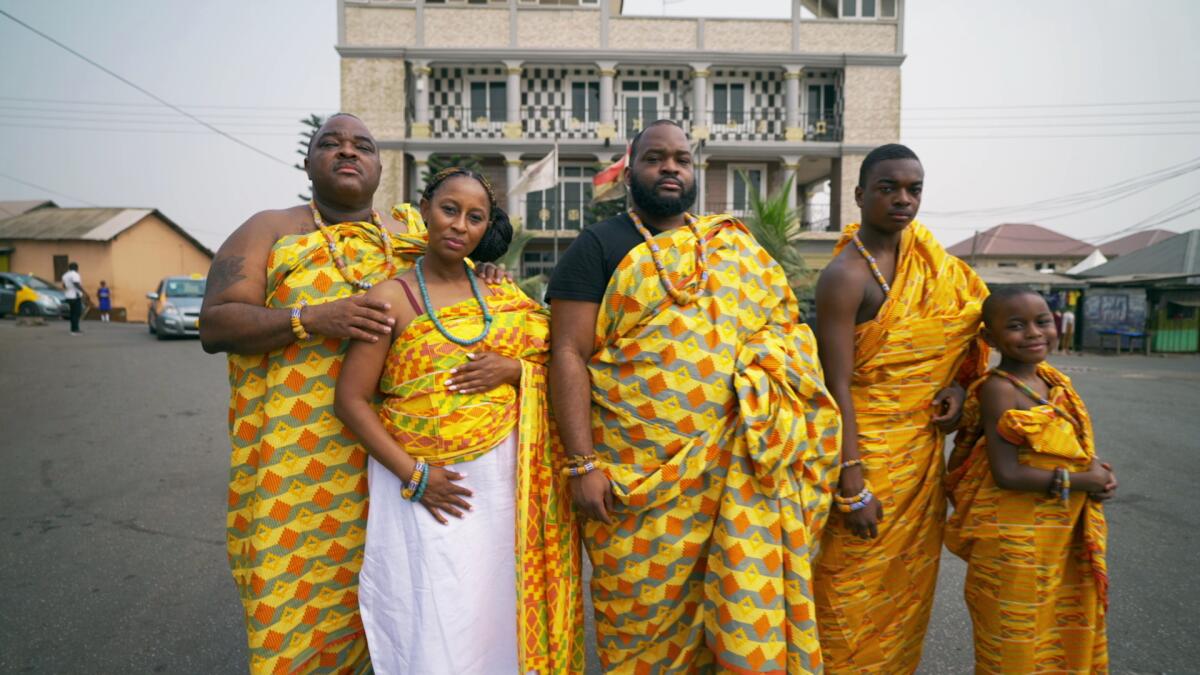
x: 1037, y: 580
x: 298, y: 480
x: 874, y: 595
x: 443, y: 427
x: 713, y: 423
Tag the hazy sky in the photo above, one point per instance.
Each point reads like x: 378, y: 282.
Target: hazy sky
x: 1007, y: 103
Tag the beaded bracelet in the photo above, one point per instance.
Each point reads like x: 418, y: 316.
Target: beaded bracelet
x: 419, y: 475
x: 1066, y: 483
x: 421, y: 488
x: 851, y: 462
x: 580, y: 460
x: 857, y: 506
x: 582, y: 470
x: 297, y: 327
x: 856, y: 498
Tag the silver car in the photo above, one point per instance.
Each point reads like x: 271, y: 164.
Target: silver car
x: 175, y: 310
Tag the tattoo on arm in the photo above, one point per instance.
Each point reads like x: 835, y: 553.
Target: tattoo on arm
x: 224, y: 273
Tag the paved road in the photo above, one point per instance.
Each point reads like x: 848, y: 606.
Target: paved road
x: 112, y: 498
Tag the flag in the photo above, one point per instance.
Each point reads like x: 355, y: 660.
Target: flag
x: 541, y: 175
x: 609, y: 184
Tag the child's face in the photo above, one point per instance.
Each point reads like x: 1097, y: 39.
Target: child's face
x: 1022, y: 328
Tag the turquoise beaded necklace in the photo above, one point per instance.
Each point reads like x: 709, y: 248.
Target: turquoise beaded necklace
x: 487, y: 315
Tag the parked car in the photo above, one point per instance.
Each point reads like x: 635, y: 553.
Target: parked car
x: 28, y: 295
x: 175, y: 309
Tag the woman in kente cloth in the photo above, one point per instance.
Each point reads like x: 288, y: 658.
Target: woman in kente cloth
x: 472, y: 557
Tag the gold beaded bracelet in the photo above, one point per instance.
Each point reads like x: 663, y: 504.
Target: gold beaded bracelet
x: 297, y: 327
x: 850, y: 462
x: 856, y: 498
x: 580, y: 460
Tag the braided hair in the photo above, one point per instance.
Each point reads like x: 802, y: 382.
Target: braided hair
x: 498, y: 235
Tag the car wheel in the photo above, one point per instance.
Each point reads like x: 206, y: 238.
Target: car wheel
x: 150, y: 324
x: 27, y: 309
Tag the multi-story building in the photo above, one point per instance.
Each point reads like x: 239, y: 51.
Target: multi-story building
x: 505, y: 81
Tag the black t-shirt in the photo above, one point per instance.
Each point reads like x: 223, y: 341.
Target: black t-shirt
x: 584, y: 270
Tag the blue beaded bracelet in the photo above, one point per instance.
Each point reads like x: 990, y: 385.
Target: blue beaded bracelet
x: 424, y: 484
x: 862, y: 504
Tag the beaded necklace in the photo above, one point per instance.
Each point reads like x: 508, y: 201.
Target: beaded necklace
x: 1024, y: 388
x: 487, y: 315
x: 872, y: 264
x: 680, y: 297
x: 339, y: 261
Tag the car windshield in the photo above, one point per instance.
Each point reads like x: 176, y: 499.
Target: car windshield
x: 185, y: 288
x: 36, y: 284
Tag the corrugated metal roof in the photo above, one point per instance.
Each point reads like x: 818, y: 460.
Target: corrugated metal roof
x: 1018, y: 276
x: 1178, y: 255
x: 1135, y: 242
x: 96, y: 224
x: 17, y: 207
x: 1020, y: 239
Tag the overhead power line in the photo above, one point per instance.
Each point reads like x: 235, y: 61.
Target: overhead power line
x: 149, y: 105
x: 145, y: 91
x: 1053, y: 105
x: 45, y: 189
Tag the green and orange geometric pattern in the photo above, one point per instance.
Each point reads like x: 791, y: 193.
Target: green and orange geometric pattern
x: 713, y: 423
x: 298, y: 485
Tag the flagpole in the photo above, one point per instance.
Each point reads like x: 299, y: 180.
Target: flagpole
x: 558, y: 226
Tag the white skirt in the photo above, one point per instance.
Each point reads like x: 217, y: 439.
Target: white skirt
x: 442, y: 598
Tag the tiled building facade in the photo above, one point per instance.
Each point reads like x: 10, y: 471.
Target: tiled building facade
x: 503, y: 81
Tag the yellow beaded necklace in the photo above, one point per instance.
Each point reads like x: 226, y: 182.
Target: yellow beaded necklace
x: 339, y: 261
x: 681, y: 297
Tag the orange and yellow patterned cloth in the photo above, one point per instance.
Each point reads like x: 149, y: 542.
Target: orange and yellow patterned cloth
x: 714, y: 425
x: 1037, y: 580
x: 298, y: 485
x: 874, y: 596
x: 443, y: 427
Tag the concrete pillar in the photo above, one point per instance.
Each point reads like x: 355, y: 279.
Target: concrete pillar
x: 421, y: 72
x: 700, y: 168
x: 794, y: 129
x: 512, y: 173
x: 791, y: 165
x: 512, y: 128
x: 842, y: 209
x: 608, y: 70
x: 700, y: 100
x: 420, y: 167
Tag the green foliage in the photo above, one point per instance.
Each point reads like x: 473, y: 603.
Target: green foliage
x: 599, y: 211
x: 311, y: 124
x: 776, y: 227
x: 439, y: 163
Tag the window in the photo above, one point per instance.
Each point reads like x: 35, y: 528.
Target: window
x: 489, y: 101
x: 639, y: 100
x: 1049, y: 266
x: 868, y: 9
x: 822, y: 111
x: 537, y: 262
x: 60, y: 265
x: 564, y: 206
x: 729, y: 103
x: 743, y: 179
x: 1006, y: 264
x: 585, y: 101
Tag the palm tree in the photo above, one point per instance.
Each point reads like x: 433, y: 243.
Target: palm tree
x: 776, y: 227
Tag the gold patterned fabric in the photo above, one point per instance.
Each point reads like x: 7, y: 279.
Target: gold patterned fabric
x: 1037, y: 577
x: 445, y: 427
x: 874, y: 596
x: 713, y: 423
x: 298, y: 488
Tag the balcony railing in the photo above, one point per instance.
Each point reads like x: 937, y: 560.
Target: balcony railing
x: 557, y: 122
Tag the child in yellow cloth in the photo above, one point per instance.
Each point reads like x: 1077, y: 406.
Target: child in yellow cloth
x: 1027, y: 490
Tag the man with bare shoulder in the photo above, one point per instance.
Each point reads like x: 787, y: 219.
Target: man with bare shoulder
x: 285, y: 296
x: 897, y: 329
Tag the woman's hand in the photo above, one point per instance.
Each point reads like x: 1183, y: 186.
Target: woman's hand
x: 1109, y: 489
x: 865, y: 521
x: 484, y: 372
x: 593, y: 496
x: 444, y: 496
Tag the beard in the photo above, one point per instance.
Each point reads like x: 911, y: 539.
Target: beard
x: 657, y: 206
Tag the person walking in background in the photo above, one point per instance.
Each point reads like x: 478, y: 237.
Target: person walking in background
x: 74, y: 293
x: 104, y: 298
x: 1027, y: 489
x: 1066, y: 343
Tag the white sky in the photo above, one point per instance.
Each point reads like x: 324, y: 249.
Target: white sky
x: 255, y: 68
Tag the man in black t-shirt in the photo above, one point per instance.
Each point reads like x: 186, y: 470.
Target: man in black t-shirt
x: 687, y: 395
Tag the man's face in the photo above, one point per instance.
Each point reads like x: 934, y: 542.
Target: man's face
x: 343, y: 162
x: 660, y: 178
x: 891, y: 196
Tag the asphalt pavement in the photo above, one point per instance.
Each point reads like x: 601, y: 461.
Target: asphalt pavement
x: 113, y: 472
